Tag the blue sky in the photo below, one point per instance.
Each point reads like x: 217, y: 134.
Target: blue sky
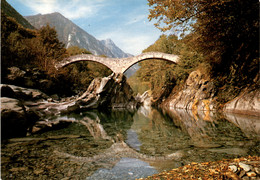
x: 123, y: 21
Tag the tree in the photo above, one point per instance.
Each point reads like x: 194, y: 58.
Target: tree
x: 82, y: 73
x: 52, y: 49
x: 225, y: 31
x: 74, y: 50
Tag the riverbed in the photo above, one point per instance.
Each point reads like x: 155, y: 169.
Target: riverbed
x: 128, y: 144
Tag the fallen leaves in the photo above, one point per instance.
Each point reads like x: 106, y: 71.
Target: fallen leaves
x: 206, y: 170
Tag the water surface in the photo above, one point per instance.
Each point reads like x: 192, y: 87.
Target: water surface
x: 126, y: 144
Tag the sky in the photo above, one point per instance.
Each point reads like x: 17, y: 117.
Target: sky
x: 124, y: 21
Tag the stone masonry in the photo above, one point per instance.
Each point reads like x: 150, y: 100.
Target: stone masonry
x: 118, y: 65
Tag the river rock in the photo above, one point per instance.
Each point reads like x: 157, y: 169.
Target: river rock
x: 73, y: 108
x: 197, y: 94
x: 15, y: 120
x: 233, y: 168
x: 244, y: 166
x: 248, y: 102
x: 108, y: 92
x: 6, y: 91
x: 145, y: 99
x: 22, y: 93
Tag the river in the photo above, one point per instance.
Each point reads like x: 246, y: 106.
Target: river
x: 124, y: 144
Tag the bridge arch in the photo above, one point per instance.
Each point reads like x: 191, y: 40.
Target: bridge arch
x: 118, y: 65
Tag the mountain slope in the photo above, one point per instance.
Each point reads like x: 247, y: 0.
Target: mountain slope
x: 114, y: 49
x: 7, y: 9
x: 72, y: 35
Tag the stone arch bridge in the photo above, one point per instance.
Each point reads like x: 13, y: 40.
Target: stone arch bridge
x: 118, y: 65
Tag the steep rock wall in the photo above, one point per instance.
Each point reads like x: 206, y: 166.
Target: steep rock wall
x: 200, y: 94
x: 197, y: 94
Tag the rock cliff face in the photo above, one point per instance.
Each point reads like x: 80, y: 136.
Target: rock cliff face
x: 200, y: 94
x: 197, y: 94
x: 248, y: 102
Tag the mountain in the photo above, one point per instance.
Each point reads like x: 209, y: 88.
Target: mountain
x: 131, y: 71
x: 7, y: 9
x: 113, y: 48
x: 72, y: 35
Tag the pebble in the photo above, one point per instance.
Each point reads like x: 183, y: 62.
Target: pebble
x: 233, y: 168
x: 257, y: 170
x: 245, y: 178
x: 245, y: 167
x: 130, y: 173
x: 245, y: 171
x: 242, y: 173
x: 251, y: 174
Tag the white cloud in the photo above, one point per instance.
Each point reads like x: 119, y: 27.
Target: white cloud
x: 72, y: 9
x: 129, y: 29
x: 135, y: 19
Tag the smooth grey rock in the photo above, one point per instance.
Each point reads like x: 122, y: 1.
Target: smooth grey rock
x: 233, y: 168
x: 109, y: 92
x: 244, y: 166
x: 247, y: 102
x: 15, y: 119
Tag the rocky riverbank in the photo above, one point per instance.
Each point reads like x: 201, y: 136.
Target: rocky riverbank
x: 25, y: 110
x: 200, y: 93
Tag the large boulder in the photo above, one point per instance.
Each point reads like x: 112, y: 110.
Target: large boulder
x: 248, y: 102
x: 16, y: 119
x: 145, y: 99
x: 21, y: 93
x: 108, y: 92
x: 197, y: 94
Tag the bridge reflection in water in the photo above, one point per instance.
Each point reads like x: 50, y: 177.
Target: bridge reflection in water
x: 165, y: 140
x: 123, y: 144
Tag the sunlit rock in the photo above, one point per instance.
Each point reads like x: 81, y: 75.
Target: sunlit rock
x: 108, y: 92
x: 248, y: 102
x: 197, y: 94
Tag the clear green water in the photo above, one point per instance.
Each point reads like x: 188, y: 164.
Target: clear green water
x: 128, y: 144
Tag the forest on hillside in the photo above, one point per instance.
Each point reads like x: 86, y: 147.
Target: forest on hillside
x: 28, y: 57
x: 221, y: 38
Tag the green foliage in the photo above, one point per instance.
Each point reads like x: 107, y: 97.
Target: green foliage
x: 40, y: 49
x: 82, y: 73
x: 13, y: 43
x: 11, y: 12
x: 74, y: 50
x: 226, y: 32
x: 158, y: 74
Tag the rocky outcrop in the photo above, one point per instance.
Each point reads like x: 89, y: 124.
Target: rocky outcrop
x: 21, y: 93
x: 145, y: 99
x: 16, y: 119
x: 197, y: 94
x: 108, y: 92
x: 35, y: 78
x: 200, y: 94
x: 248, y: 102
x: 18, y: 104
